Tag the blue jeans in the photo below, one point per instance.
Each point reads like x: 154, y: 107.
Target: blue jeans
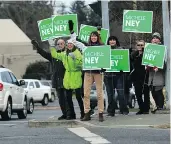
x: 112, y: 83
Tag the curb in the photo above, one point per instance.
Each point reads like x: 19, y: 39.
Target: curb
x: 78, y: 123
x: 52, y: 123
x: 164, y: 126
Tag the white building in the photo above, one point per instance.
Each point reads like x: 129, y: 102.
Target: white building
x: 16, y: 50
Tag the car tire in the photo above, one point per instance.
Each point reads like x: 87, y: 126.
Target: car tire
x: 52, y: 97
x: 132, y: 102
x: 31, y: 107
x: 45, y: 100
x: 6, y: 115
x: 23, y: 113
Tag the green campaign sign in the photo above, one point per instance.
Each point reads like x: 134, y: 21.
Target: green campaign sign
x: 137, y: 21
x: 60, y: 25
x: 119, y: 61
x: 154, y: 55
x: 96, y: 57
x: 45, y: 29
x: 85, y: 31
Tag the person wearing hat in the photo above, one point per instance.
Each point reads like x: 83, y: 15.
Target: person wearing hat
x: 115, y: 80
x: 157, y: 78
x: 72, y: 60
x: 58, y: 72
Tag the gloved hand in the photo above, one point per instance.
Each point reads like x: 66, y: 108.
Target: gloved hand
x: 71, y: 55
x: 35, y: 43
x: 121, y: 72
x: 51, y: 42
x: 147, y: 68
x: 103, y: 70
x: 155, y: 68
x: 71, y: 25
x: 99, y: 28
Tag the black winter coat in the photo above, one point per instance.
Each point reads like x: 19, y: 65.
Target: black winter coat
x: 139, y: 74
x: 57, y: 67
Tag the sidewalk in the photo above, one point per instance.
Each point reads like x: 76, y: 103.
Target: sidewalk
x: 119, y: 121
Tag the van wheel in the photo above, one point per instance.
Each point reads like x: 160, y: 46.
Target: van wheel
x: 52, y: 97
x: 23, y: 113
x: 6, y: 115
x: 31, y: 107
x: 45, y: 100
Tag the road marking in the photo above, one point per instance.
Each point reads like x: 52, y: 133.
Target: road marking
x: 7, y: 124
x: 138, y: 118
x: 89, y: 136
x: 51, y: 117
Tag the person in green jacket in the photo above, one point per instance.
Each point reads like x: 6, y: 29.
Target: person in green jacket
x: 72, y: 60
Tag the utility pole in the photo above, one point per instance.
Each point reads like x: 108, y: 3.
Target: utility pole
x: 105, y: 14
x: 166, y: 36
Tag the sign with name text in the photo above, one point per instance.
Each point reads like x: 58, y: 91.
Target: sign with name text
x: 45, y: 29
x: 119, y: 60
x: 85, y: 31
x: 61, y: 27
x: 154, y: 55
x: 96, y: 57
x: 137, y: 21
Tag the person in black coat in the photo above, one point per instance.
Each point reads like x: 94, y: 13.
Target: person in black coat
x: 115, y: 80
x: 58, y: 74
x: 139, y: 76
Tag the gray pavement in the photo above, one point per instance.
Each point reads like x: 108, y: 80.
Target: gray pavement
x: 120, y: 129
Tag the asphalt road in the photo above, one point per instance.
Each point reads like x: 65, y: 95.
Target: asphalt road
x: 17, y: 132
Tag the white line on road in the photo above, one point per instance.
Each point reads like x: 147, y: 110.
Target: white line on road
x: 7, y: 124
x: 88, y: 136
x: 138, y: 118
x: 51, y: 117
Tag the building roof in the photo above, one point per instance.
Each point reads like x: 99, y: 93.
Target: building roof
x: 11, y: 33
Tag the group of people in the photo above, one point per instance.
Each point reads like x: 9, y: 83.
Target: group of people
x: 68, y: 76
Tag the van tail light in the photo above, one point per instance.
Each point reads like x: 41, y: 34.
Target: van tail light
x: 1, y: 86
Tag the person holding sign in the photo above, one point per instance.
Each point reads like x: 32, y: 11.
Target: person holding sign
x: 140, y: 79
x: 157, y: 78
x: 72, y: 60
x: 91, y: 76
x: 58, y: 73
x: 114, y: 80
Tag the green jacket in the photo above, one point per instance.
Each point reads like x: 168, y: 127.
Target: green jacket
x: 72, y: 78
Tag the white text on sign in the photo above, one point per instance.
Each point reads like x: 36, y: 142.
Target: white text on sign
x: 92, y: 57
x: 47, y: 31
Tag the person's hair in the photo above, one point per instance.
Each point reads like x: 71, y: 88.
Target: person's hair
x: 113, y: 38
x: 56, y: 40
x: 140, y: 41
x: 98, y: 38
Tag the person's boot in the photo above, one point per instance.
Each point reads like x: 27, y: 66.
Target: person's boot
x: 86, y: 117
x: 111, y: 114
x: 101, y: 119
x: 62, y: 117
x: 82, y: 115
x: 71, y: 117
x: 140, y: 112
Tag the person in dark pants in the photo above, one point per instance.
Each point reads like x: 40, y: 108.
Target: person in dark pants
x: 157, y: 78
x: 72, y: 60
x: 114, y: 80
x: 58, y: 74
x: 140, y: 79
